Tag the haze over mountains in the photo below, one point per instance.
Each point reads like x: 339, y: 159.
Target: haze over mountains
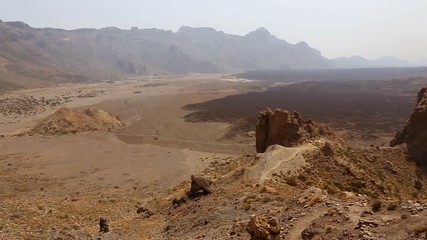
x: 40, y: 54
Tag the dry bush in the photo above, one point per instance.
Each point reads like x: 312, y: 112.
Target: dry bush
x: 328, y: 228
x: 332, y: 211
x: 291, y: 181
x: 392, y: 206
x: 418, y: 185
x: 250, y: 198
x: 376, y: 205
x: 246, y: 207
x: 314, y: 200
x: 266, y: 199
x: 421, y: 228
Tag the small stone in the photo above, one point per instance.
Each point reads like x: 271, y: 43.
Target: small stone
x: 103, y: 225
x: 146, y: 213
x: 309, y: 233
x: 268, y: 189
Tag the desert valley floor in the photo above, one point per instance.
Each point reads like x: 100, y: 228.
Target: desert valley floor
x: 155, y: 151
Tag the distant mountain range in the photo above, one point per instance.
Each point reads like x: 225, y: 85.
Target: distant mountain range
x: 382, y: 62
x: 52, y: 55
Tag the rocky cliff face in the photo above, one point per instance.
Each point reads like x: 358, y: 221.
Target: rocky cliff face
x: 286, y: 128
x: 414, y: 134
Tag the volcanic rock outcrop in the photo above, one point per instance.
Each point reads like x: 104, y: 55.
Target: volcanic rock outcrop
x: 414, y: 134
x: 286, y: 128
x: 66, y: 121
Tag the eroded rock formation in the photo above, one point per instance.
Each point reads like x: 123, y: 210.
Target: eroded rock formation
x: 286, y: 128
x: 414, y: 134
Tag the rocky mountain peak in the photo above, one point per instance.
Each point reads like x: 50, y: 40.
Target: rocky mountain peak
x: 302, y: 44
x: 18, y: 24
x: 259, y: 33
x: 187, y: 29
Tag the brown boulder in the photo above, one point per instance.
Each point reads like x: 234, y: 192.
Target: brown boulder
x: 199, y: 187
x: 261, y: 228
x: 310, y: 233
x: 327, y: 150
x: 103, y: 225
x: 414, y: 134
x: 268, y: 189
x: 286, y: 128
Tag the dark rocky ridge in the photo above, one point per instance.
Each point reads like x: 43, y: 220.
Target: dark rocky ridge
x: 414, y: 134
x: 364, y: 107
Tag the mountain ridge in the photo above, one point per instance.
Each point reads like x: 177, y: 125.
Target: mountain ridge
x: 52, y: 55
x: 381, y: 62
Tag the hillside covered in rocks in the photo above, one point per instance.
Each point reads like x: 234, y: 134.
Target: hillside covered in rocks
x: 414, y: 134
x: 319, y: 188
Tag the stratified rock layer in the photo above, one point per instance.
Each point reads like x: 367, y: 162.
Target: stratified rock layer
x: 286, y: 128
x: 414, y: 134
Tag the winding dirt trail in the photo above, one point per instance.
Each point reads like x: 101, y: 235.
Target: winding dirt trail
x: 277, y: 159
x: 302, y: 223
x: 283, y: 159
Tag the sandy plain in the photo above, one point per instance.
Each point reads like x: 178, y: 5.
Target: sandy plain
x: 155, y: 151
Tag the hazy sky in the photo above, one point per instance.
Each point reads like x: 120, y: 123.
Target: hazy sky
x: 370, y: 28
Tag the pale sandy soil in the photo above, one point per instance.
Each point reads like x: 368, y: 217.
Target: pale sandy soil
x: 156, y: 138
x: 155, y: 151
x: 278, y: 159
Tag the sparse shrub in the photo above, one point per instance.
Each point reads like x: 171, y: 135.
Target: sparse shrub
x: 417, y: 230
x: 339, y: 185
x: 356, y: 186
x: 291, y: 181
x: 266, y: 199
x: 328, y: 228
x: 246, y: 207
x: 373, y: 195
x: 302, y: 177
x: 418, y: 185
x: 280, y: 199
x: 330, y: 189
x: 376, y: 205
x: 392, y: 206
x: 314, y: 200
x: 415, y: 195
x: 419, y: 173
x: 332, y: 212
x: 250, y: 198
